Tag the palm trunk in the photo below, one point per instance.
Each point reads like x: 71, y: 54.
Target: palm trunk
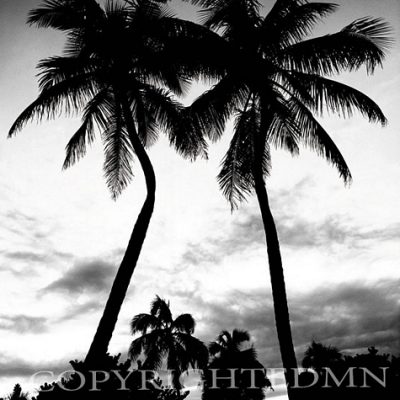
x: 101, y: 340
x: 282, y: 319
x: 281, y: 310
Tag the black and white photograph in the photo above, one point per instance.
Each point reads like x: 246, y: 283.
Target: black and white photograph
x: 199, y: 199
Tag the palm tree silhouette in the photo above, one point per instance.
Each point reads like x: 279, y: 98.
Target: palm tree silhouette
x: 116, y: 71
x: 164, y: 338
x: 319, y: 356
x: 274, y: 84
x: 228, y: 344
x: 228, y: 353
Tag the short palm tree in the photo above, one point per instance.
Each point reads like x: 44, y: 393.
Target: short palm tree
x: 319, y: 356
x: 117, y: 71
x: 166, y: 339
x: 228, y: 344
x: 228, y: 353
x: 276, y: 81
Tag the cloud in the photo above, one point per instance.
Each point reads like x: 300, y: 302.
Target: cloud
x: 295, y: 232
x: 23, y: 323
x: 15, y: 367
x: 20, y: 216
x: 84, y: 277
x: 196, y: 255
x: 244, y: 233
x: 29, y: 256
x: 75, y: 311
x: 20, y: 223
x: 27, y: 243
x: 351, y: 317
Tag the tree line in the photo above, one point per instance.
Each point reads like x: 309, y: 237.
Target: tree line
x: 228, y: 368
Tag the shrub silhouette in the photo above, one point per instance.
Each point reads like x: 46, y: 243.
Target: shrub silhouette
x: 17, y: 394
x: 66, y: 389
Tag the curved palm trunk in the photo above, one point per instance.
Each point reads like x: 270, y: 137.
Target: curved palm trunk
x: 281, y: 310
x: 99, y: 346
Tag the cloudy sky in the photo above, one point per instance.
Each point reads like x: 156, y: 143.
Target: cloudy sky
x: 62, y: 237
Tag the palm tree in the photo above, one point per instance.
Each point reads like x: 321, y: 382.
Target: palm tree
x: 319, y: 356
x: 228, y: 353
x: 118, y: 73
x: 228, y: 345
x: 164, y: 338
x: 275, y: 82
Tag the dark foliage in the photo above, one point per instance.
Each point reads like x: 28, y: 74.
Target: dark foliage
x: 133, y: 388
x: 363, y: 376
x: 165, y: 340
x: 17, y: 394
x: 228, y: 376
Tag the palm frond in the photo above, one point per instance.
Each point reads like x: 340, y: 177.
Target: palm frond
x: 163, y: 72
x: 212, y: 109
x: 55, y: 14
x: 236, y: 176
x: 314, y: 136
x: 224, y: 338
x: 118, y: 153
x: 155, y: 351
x: 141, y: 323
x: 283, y: 131
x: 195, y: 350
x: 146, y: 11
x: 65, y: 14
x: 290, y: 21
x: 184, y: 323
x: 214, y: 348
x: 236, y: 20
x: 239, y: 336
x: 376, y: 30
x: 187, y: 138
x: 363, y: 42
x: 76, y: 147
x: 114, y: 10
x: 178, y: 361
x: 249, y: 355
x: 136, y: 348
x: 68, y: 96
x: 335, y: 96
x: 151, y: 347
x: 54, y: 70
x: 94, y: 113
x: 147, y: 128
x: 160, y: 309
x: 195, y: 51
x: 183, y: 134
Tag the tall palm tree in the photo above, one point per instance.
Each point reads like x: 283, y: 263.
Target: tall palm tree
x: 275, y: 82
x: 118, y: 72
x: 164, y: 338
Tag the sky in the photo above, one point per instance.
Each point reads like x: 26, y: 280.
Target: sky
x: 62, y: 236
